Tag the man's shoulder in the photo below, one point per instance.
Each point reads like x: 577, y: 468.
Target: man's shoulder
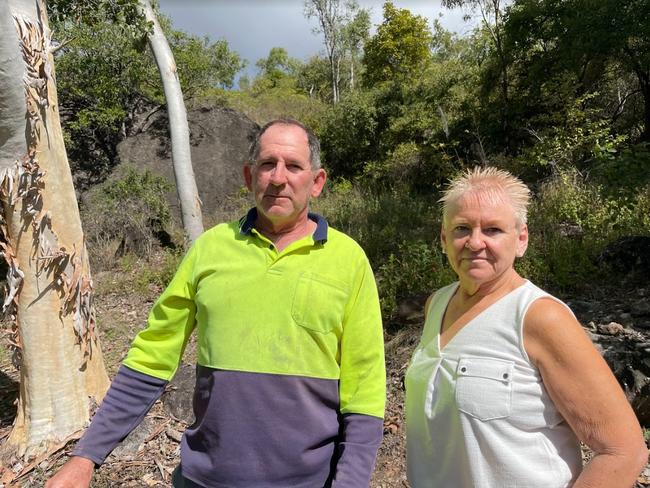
x: 224, y: 230
x: 342, y: 242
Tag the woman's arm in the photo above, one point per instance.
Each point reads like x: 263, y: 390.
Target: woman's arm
x: 587, y: 394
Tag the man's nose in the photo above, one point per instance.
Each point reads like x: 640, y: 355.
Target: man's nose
x: 279, y: 174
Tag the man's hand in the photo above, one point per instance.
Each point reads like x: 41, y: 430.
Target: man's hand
x: 76, y: 473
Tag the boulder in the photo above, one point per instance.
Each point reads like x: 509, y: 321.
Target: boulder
x: 178, y: 396
x: 627, y: 354
x: 628, y: 255
x: 219, y: 139
x: 134, y: 442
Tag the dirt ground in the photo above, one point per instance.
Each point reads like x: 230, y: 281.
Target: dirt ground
x: 121, y: 313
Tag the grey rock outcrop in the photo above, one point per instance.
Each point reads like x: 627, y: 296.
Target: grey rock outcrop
x: 219, y: 138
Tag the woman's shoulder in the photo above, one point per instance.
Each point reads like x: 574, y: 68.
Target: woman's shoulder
x: 440, y: 295
x: 549, y: 324
x: 540, y: 301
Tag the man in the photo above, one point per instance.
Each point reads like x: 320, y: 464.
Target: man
x: 290, y: 383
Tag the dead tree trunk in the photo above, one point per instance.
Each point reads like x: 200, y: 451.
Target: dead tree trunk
x: 188, y: 195
x: 50, y: 292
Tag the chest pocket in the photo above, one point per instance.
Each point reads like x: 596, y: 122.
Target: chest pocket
x: 319, y: 303
x: 484, y: 387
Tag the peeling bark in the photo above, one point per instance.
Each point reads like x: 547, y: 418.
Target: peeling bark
x: 49, y: 288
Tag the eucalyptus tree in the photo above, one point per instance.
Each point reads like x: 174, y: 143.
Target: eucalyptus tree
x: 333, y: 16
x: 188, y: 194
x: 355, y: 34
x: 400, y: 49
x: 50, y: 291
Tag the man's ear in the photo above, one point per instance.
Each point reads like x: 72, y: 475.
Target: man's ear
x: 248, y: 176
x: 320, y: 177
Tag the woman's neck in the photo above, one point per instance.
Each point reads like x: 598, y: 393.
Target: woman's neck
x: 474, y: 292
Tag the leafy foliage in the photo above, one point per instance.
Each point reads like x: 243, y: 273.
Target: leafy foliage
x: 126, y: 214
x: 399, y: 50
x: 203, y: 64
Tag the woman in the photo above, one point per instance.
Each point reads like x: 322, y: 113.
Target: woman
x: 505, y: 383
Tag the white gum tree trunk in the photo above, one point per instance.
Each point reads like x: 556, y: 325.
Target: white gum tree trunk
x: 188, y: 194
x: 50, y: 292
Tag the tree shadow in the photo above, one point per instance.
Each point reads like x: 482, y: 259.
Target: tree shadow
x: 9, y: 390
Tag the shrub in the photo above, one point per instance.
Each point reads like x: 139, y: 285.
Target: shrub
x: 398, y: 234
x: 417, y: 268
x: 571, y: 221
x: 126, y: 214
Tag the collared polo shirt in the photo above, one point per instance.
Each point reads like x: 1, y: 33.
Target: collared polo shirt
x: 290, y: 358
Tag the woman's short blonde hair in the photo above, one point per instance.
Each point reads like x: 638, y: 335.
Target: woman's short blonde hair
x: 491, y: 183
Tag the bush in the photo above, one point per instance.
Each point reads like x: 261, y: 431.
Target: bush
x: 398, y: 234
x: 571, y: 221
x: 127, y: 214
x: 417, y: 268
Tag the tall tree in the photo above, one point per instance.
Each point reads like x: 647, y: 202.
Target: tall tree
x: 355, y: 34
x: 277, y: 66
x: 332, y: 16
x: 49, y: 285
x: 493, y: 18
x: 188, y: 194
x: 400, y: 49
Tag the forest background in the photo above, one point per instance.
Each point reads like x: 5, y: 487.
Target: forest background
x: 555, y: 91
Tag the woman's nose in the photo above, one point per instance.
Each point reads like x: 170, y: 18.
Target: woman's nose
x: 475, y: 241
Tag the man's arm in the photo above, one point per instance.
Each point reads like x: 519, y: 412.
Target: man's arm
x: 362, y: 385
x: 357, y: 451
x: 127, y: 401
x: 151, y: 362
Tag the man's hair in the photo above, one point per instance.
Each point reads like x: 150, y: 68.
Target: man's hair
x: 312, y: 141
x: 491, y: 183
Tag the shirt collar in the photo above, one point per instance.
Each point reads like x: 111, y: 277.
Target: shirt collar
x: 247, y: 224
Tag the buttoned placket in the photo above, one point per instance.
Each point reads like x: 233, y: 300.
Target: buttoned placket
x: 273, y: 257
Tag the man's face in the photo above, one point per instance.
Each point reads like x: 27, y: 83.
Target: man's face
x: 281, y: 178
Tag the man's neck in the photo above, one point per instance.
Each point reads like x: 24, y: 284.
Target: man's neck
x: 283, y: 234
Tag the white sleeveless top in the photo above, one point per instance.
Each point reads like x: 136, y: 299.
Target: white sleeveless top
x: 477, y: 412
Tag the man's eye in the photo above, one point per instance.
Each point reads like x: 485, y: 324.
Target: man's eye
x: 492, y: 230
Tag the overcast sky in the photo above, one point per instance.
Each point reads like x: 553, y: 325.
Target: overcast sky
x: 253, y: 27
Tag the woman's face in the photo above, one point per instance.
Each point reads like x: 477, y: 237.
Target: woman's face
x: 481, y: 237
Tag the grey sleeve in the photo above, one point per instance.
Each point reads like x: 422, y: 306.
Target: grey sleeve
x: 127, y: 401
x: 361, y: 437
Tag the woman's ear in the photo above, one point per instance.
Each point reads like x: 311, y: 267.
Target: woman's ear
x: 522, y: 241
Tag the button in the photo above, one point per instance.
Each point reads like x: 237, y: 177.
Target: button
x: 463, y: 369
x: 505, y: 376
